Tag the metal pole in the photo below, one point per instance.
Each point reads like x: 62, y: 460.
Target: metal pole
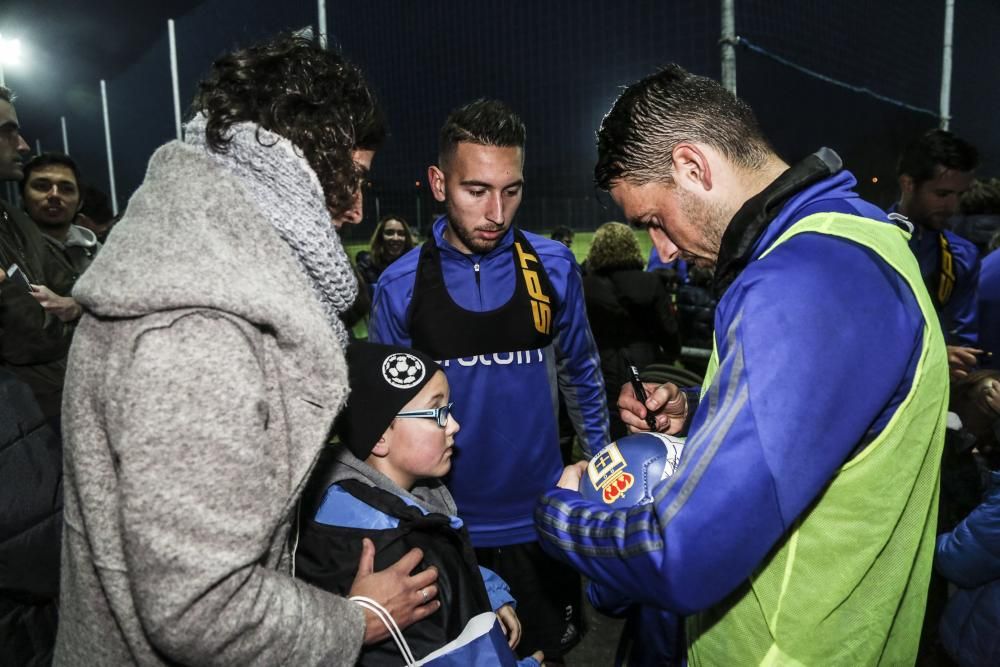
x: 173, y: 79
x: 62, y: 121
x: 729, y: 45
x: 38, y: 146
x: 321, y: 20
x: 107, y: 142
x: 949, y: 24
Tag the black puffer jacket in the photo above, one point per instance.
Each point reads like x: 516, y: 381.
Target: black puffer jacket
x: 630, y: 315
x: 31, y: 501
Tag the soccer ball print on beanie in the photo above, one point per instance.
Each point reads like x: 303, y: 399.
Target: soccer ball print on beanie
x: 403, y: 370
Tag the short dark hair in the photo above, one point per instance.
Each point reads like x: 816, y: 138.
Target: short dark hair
x: 484, y: 122
x: 6, y: 94
x: 638, y: 136
x: 561, y: 232
x: 303, y: 93
x: 982, y: 198
x: 936, y: 148
x: 43, y: 160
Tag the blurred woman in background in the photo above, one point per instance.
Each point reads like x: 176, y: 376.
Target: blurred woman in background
x: 629, y: 311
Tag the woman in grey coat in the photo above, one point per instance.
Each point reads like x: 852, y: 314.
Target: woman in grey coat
x: 205, y: 375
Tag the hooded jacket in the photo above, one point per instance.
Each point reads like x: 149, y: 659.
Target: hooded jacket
x: 342, y: 505
x: 76, y: 253
x: 202, y: 384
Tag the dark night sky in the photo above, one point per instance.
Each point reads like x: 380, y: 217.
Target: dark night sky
x: 560, y: 63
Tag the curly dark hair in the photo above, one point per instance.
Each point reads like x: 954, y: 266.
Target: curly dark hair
x: 379, y: 253
x: 614, y: 247
x: 310, y: 96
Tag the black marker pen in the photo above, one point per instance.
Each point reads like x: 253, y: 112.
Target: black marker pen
x: 640, y: 392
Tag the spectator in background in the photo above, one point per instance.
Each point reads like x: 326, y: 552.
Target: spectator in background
x: 980, y: 218
x: 52, y: 199
x: 989, y: 305
x: 675, y: 271
x: 96, y: 214
x: 696, y: 304
x: 564, y: 235
x: 934, y: 171
x: 203, y: 385
x: 392, y: 239
x: 629, y: 311
x: 969, y: 555
x: 36, y: 324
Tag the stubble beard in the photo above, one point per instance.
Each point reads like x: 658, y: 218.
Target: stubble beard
x: 474, y: 245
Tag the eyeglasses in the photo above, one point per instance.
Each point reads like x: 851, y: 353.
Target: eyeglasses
x: 440, y: 415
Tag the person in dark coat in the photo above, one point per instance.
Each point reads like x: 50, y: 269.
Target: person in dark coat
x: 629, y: 311
x: 969, y: 556
x: 31, y: 502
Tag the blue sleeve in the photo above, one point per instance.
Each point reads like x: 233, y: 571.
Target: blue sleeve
x: 497, y: 589
x: 578, y: 362
x: 389, y: 306
x: 969, y: 556
x: 780, y: 417
x: 607, y: 600
x: 962, y: 308
x: 989, y: 309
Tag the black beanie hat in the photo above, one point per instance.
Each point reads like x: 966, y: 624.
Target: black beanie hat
x: 383, y: 379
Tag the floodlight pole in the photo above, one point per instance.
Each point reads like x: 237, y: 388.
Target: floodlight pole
x: 728, y: 43
x: 62, y: 121
x: 946, y: 56
x: 38, y: 146
x: 107, y: 142
x: 321, y: 20
x: 174, y: 80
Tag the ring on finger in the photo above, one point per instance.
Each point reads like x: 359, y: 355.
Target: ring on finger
x: 423, y: 592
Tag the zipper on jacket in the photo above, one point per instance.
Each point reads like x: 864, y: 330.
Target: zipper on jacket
x: 475, y: 267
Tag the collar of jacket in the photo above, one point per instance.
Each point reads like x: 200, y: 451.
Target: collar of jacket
x: 759, y: 211
x: 503, y: 245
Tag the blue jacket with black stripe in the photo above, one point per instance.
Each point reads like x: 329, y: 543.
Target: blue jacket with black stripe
x: 823, y: 338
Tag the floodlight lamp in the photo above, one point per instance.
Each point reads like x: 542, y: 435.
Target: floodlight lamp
x: 10, y: 51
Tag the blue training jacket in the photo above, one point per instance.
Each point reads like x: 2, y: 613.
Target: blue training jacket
x: 507, y: 451
x: 989, y: 309
x: 822, y: 339
x: 969, y: 557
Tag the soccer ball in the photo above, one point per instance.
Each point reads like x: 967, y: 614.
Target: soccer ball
x: 403, y: 370
x: 626, y: 472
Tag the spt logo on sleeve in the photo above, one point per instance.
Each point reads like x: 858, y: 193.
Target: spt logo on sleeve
x: 541, y: 304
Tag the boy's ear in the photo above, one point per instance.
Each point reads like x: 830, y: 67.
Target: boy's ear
x: 381, y: 448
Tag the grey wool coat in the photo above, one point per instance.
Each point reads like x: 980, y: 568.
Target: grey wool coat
x: 202, y: 384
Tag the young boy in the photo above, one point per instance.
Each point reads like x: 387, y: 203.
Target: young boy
x: 397, y: 437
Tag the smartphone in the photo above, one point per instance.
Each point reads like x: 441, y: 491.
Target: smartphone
x: 18, y: 276
x: 640, y: 392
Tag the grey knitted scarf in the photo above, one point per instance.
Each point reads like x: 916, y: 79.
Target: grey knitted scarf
x: 287, y: 192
